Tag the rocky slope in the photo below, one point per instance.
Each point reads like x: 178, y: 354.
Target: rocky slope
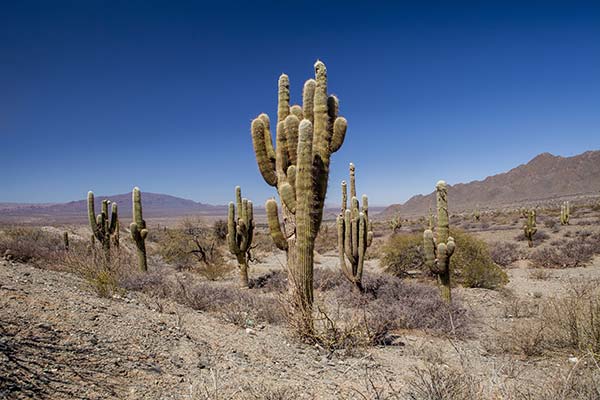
x: 545, y: 177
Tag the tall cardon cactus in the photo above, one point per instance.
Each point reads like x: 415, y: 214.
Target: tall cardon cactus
x: 438, y: 251
x: 298, y: 167
x: 239, y: 233
x: 529, y: 227
x: 354, y: 233
x: 103, y: 226
x: 139, y: 232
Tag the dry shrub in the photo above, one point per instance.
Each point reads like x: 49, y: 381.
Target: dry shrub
x: 540, y: 274
x: 194, y: 247
x: 234, y: 305
x: 574, y: 320
x: 104, y: 272
x: 539, y: 237
x: 326, y: 239
x: 504, y: 253
x: 391, y: 304
x: 219, y: 229
x: 567, y: 253
x: 526, y: 337
x: 442, y: 382
x: 25, y: 244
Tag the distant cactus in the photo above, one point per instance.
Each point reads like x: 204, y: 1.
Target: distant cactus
x: 530, y: 228
x: 565, y: 213
x: 239, y: 233
x: 139, y: 232
x: 102, y: 226
x: 66, y: 240
x: 438, y: 251
x: 476, y: 214
x: 395, y: 224
x: 354, y: 233
x: 298, y: 167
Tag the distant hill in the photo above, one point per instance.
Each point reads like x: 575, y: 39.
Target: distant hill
x: 543, y: 178
x: 154, y: 205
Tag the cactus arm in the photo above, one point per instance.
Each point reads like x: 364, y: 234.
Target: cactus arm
x: 341, y: 235
x: 362, y: 246
x: 348, y: 234
x: 344, y: 196
x: 308, y: 100
x: 429, y: 250
x: 268, y: 138
x: 274, y: 226
x: 231, y: 239
x: 292, y: 123
x: 288, y: 196
x: 266, y: 164
x: 296, y: 110
x: 352, y: 181
x: 339, y: 133
x: 92, y: 216
x: 321, y: 139
x: 442, y: 209
x: 114, y: 218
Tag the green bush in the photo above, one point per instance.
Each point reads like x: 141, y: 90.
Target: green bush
x: 472, y: 265
x: 402, y: 253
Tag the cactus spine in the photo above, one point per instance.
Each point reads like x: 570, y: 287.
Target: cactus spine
x: 103, y: 226
x: 354, y: 233
x: 139, y: 232
x: 298, y: 166
x: 239, y: 233
x: 565, y: 213
x: 438, y: 252
x: 529, y: 228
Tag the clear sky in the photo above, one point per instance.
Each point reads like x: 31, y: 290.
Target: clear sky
x: 106, y: 95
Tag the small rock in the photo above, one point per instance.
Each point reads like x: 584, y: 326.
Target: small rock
x: 573, y: 360
x: 250, y: 331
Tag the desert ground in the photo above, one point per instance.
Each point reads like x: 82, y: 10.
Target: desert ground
x: 75, y: 326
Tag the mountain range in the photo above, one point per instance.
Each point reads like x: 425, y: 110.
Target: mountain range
x: 545, y: 177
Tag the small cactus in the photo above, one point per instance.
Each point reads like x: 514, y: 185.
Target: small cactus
x: 66, y: 240
x: 103, y: 227
x: 438, y: 251
x: 476, y: 214
x: 354, y: 233
x: 530, y: 228
x: 239, y: 233
x: 139, y: 232
x: 565, y: 213
x: 395, y: 224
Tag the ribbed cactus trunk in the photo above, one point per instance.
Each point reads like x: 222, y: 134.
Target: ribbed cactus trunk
x: 439, y: 250
x: 530, y: 227
x: 240, y: 232
x: 139, y: 232
x: 443, y: 232
x: 299, y: 168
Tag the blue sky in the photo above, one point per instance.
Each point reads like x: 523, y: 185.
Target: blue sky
x: 106, y: 95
